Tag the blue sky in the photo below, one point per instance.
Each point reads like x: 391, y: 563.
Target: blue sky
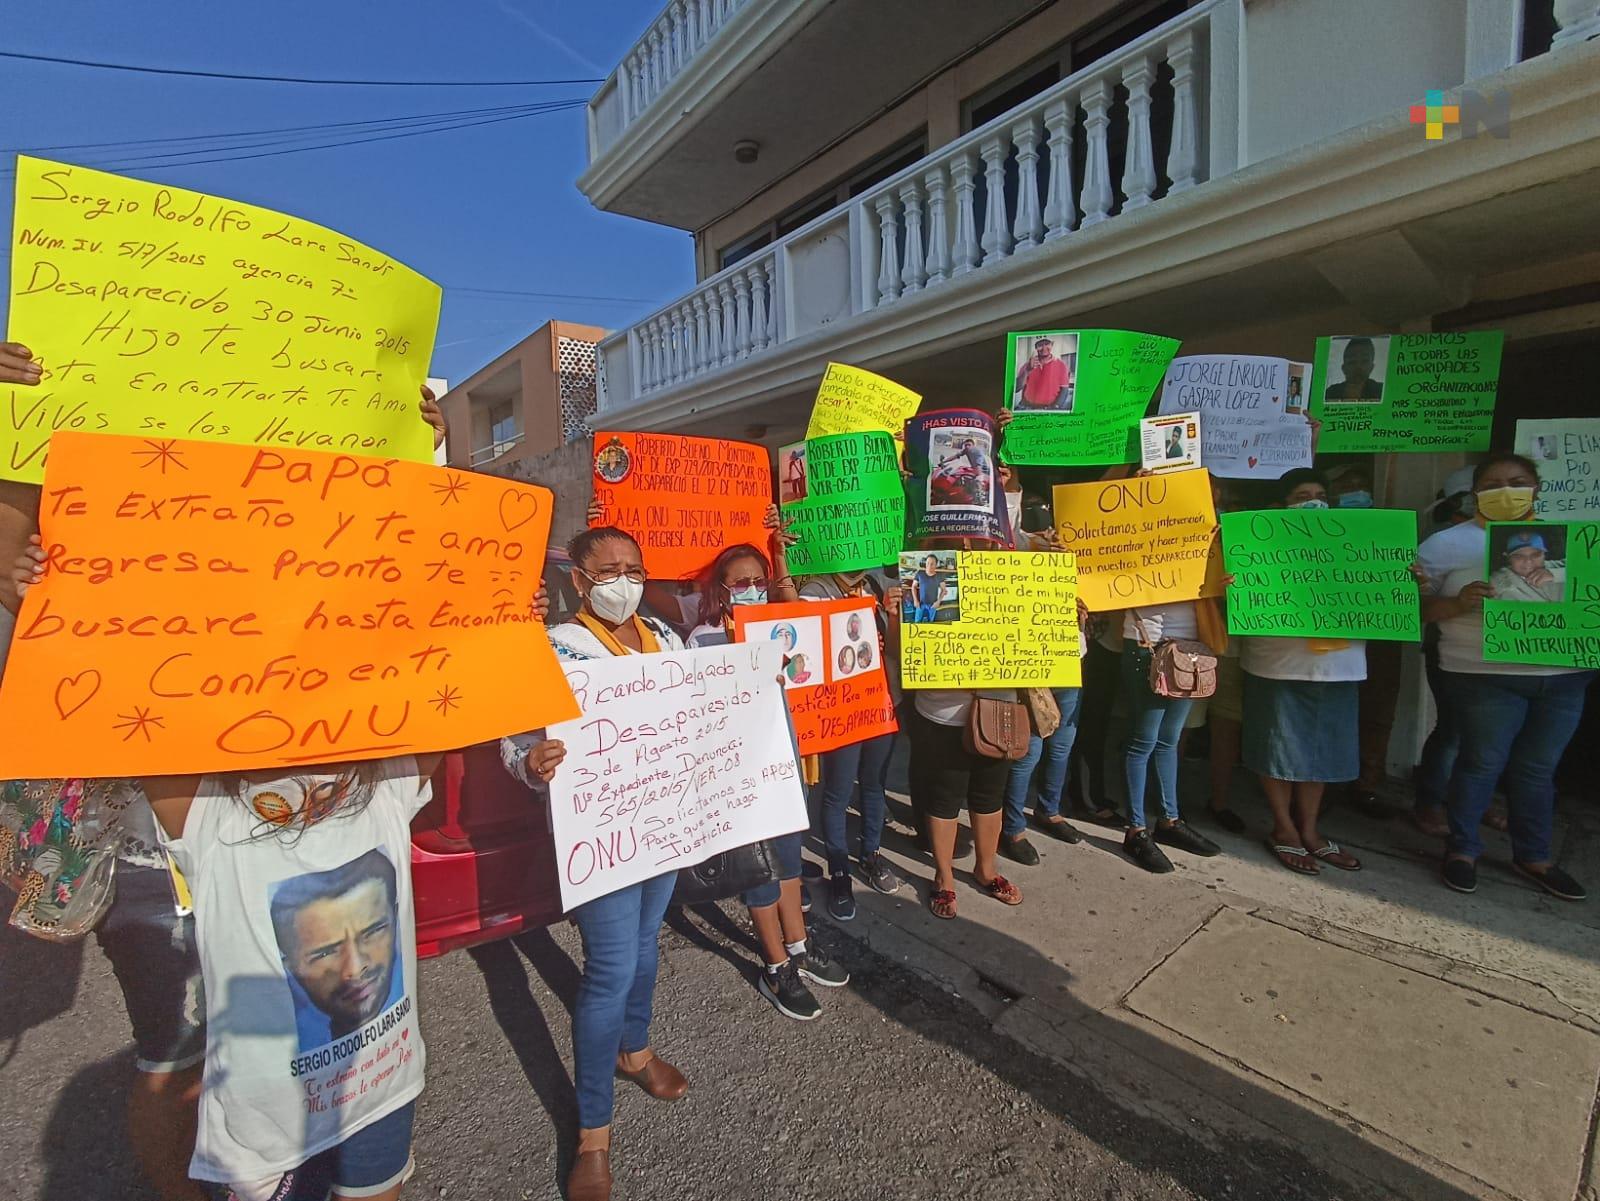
x: 491, y: 207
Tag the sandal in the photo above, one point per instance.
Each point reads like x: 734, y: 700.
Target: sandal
x: 1334, y: 856
x: 1296, y: 859
x: 1002, y: 890
x: 942, y: 903
x: 1431, y: 822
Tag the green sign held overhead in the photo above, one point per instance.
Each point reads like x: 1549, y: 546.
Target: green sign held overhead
x: 842, y: 495
x: 1546, y: 604
x: 1423, y: 393
x: 1078, y: 395
x: 1323, y: 573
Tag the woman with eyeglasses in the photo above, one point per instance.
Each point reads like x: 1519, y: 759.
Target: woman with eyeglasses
x: 740, y: 576
x: 611, y: 1022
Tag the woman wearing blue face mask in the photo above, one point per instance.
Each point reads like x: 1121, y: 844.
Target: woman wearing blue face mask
x: 740, y: 577
x: 1300, y: 718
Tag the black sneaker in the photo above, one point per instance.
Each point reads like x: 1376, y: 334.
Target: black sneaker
x: 879, y: 874
x: 841, y: 898
x: 1555, y: 882
x: 816, y: 966
x: 1185, y: 837
x: 1141, y: 848
x: 1461, y: 875
x: 788, y: 993
x: 1060, y: 829
x: 805, y: 896
x: 1019, y: 850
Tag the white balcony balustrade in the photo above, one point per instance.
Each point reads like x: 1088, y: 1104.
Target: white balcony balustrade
x: 1156, y: 118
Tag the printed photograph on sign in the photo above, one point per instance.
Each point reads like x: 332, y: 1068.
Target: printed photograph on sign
x: 339, y: 933
x: 1361, y: 365
x: 1294, y: 401
x: 961, y: 477
x: 792, y: 474
x: 1528, y: 562
x: 800, y: 640
x: 612, y: 462
x: 1046, y: 370
x: 1170, y: 443
x: 848, y: 634
x: 929, y: 588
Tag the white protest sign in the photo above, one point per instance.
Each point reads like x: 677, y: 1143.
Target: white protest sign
x: 676, y: 758
x: 1567, y: 451
x: 1253, y: 409
x: 1169, y: 443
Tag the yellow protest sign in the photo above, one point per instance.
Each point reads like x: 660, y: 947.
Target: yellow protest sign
x: 989, y: 619
x: 1142, y: 541
x: 174, y: 314
x: 854, y: 401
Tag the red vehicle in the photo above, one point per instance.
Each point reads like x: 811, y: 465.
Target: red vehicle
x: 482, y: 856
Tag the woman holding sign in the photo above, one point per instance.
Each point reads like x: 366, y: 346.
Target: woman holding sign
x: 1301, y: 717
x: 621, y: 930
x: 740, y: 577
x: 1515, y: 719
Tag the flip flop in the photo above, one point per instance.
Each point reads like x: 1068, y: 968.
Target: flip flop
x: 1335, y: 856
x: 1002, y: 890
x: 942, y: 903
x: 1287, y: 855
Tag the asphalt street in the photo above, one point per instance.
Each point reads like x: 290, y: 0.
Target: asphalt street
x: 899, y: 1090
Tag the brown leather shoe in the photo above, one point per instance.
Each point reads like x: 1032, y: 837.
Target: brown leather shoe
x: 590, y: 1178
x: 658, y: 1078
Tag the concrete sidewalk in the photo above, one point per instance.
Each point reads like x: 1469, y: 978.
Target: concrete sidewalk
x: 1410, y: 1040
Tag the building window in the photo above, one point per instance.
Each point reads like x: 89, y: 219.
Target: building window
x: 872, y: 173
x: 503, y: 432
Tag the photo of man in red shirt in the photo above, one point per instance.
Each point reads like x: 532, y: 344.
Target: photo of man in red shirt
x: 1044, y: 381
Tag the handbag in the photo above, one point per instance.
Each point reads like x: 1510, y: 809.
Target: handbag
x: 725, y: 875
x: 997, y: 729
x: 1181, y: 668
x: 58, y: 848
x: 1043, y: 709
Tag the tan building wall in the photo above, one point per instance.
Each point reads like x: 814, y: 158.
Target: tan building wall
x: 531, y: 378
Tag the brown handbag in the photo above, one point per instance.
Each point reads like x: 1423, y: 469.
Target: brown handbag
x: 997, y: 729
x: 1179, y: 667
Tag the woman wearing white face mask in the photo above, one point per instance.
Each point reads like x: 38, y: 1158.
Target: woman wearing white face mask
x: 611, y: 1021
x: 1514, y: 719
x: 777, y: 909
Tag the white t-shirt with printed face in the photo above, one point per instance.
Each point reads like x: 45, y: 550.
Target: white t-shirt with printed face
x: 1452, y: 559
x: 308, y: 949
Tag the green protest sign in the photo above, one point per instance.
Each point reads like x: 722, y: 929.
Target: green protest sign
x: 1323, y: 573
x: 1077, y: 395
x: 1405, y: 392
x: 1546, y: 604
x: 843, y: 497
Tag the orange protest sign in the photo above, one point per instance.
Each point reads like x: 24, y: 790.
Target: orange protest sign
x: 834, y: 679
x: 684, y: 499
x: 216, y: 607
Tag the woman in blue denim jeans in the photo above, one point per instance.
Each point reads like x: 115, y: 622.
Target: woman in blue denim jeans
x: 1513, y: 719
x: 611, y: 1021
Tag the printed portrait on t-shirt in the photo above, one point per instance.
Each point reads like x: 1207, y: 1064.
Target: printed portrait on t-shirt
x: 339, y: 938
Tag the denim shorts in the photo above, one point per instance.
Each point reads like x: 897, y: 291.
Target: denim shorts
x: 153, y: 953
x: 371, y: 1161
x: 786, y: 851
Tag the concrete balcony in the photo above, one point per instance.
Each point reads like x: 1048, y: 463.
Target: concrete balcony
x: 1185, y: 184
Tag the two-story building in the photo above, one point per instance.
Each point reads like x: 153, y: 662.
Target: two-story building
x: 896, y: 185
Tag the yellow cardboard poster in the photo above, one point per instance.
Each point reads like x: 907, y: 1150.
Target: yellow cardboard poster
x: 173, y: 314
x: 1142, y: 541
x: 854, y: 401
x: 989, y: 619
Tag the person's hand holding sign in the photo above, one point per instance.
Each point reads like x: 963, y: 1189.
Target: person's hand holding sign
x: 434, y: 416
x: 28, y: 570
x: 17, y: 365
x: 545, y: 757
x: 1471, y: 597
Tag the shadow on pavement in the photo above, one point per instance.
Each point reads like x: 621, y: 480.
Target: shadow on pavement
x: 84, y: 1150
x: 38, y: 981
